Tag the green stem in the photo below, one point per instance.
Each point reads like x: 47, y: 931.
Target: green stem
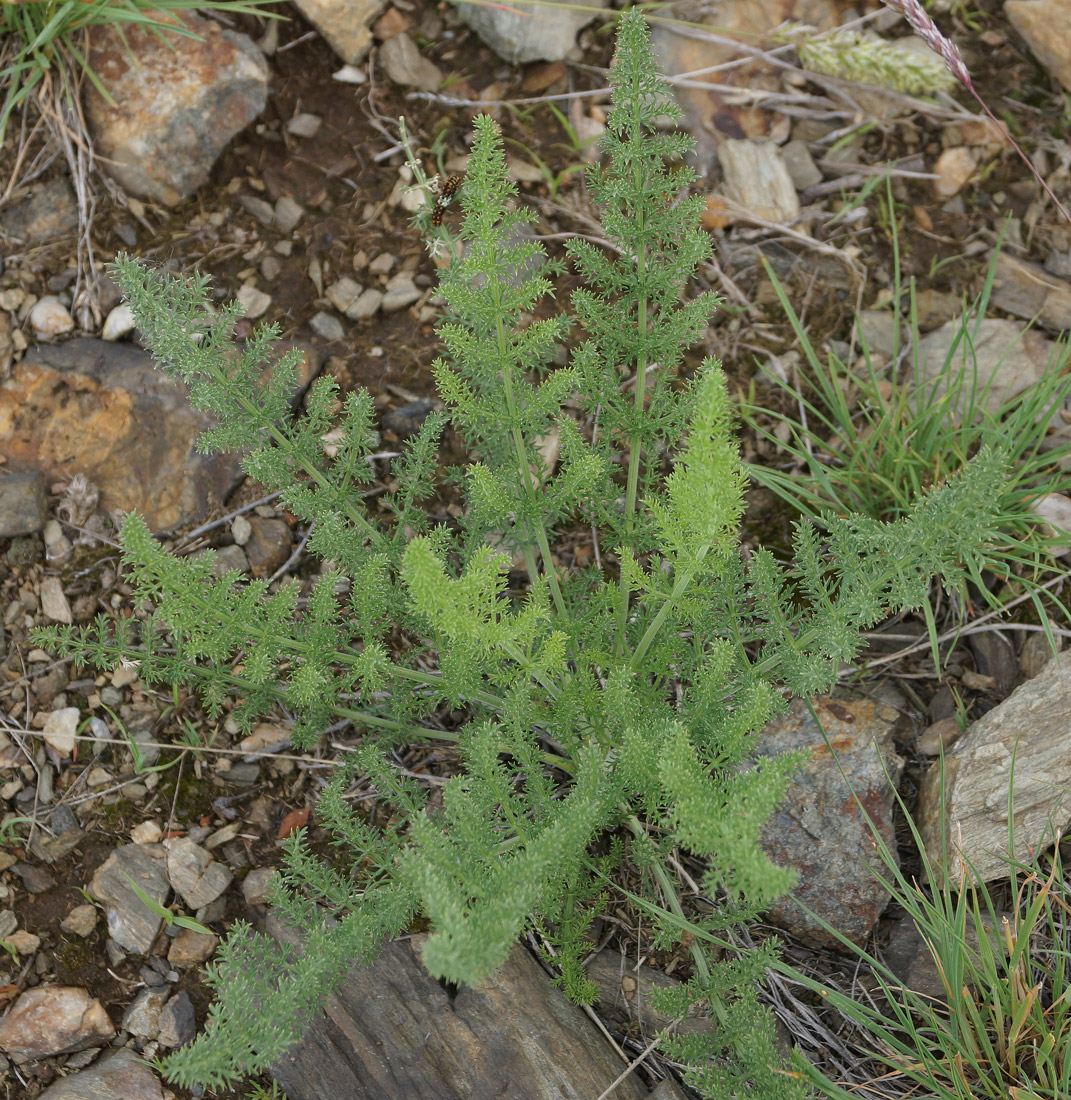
x: 524, y: 469
x: 680, y: 584
x: 632, y: 482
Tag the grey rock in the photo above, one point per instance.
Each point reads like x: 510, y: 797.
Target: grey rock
x: 407, y: 420
x: 59, y: 846
x: 177, y: 1023
x: 344, y: 293
x: 406, y: 66
x: 624, y: 995
x: 127, y: 234
x: 1036, y: 652
x: 130, y: 924
x: 327, y: 326
x: 254, y: 301
x: 263, y: 211
x: 142, y: 1017
x: 1040, y: 22
x: 523, y: 32
x: 194, y: 874
x: 47, y: 687
x: 35, y: 880
x: 995, y: 656
x: 54, y: 604
x: 23, y: 508
x: 304, y: 125
x: 667, y: 1089
x: 190, y: 948
x: 1010, y: 359
x: 756, y: 177
x: 1031, y: 726
x: 121, y: 1075
x: 401, y: 292
x: 909, y: 957
x: 80, y: 921
x: 1027, y: 290
x: 935, y: 308
x: 879, y: 331
x: 141, y: 731
x: 393, y: 1031
x: 227, y: 558
x: 255, y: 885
x: 271, y: 268
x: 49, y: 211
x: 80, y: 1059
x: 243, y: 775
x: 800, y: 164
x: 367, y: 305
x: 212, y: 912
x: 287, y: 214
x: 268, y: 545
x: 819, y: 828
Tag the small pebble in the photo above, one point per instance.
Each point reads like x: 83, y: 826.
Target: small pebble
x: 287, y: 214
x: 270, y: 267
x: 954, y: 168
x: 25, y: 943
x: 241, y: 529
x: 255, y: 301
x: 57, y: 546
x: 50, y: 318
x: 367, y: 305
x: 80, y: 921
x: 327, y: 327
x: 146, y: 832
x: 401, y: 292
x: 255, y: 885
x: 54, y: 602
x: 343, y: 293
x: 304, y: 125
x: 118, y: 323
x: 350, y: 74
x: 943, y: 733
x: 261, y: 210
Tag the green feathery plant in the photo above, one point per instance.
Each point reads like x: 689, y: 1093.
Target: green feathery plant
x: 869, y: 440
x: 605, y: 704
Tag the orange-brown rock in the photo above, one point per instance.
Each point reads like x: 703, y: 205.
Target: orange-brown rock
x: 105, y: 411
x: 176, y: 102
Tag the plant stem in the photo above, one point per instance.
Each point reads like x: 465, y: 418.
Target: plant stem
x: 680, y: 584
x: 636, y: 128
x: 524, y: 469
